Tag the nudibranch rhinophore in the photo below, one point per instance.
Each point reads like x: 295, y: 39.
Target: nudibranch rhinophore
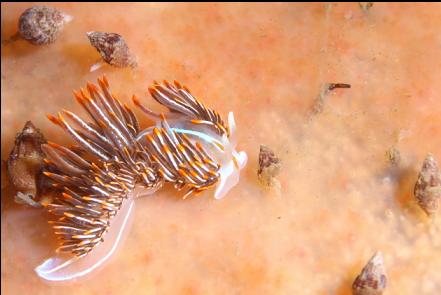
x: 189, y: 146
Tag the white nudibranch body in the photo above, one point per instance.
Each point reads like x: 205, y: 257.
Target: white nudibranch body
x: 232, y: 161
x: 189, y: 146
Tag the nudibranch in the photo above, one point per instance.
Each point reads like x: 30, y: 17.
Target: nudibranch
x: 115, y: 162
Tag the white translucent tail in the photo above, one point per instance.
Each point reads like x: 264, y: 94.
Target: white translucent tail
x: 64, y: 267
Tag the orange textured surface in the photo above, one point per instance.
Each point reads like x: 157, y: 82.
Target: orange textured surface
x: 340, y: 200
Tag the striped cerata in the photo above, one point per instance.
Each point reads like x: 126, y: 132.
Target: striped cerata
x: 115, y: 161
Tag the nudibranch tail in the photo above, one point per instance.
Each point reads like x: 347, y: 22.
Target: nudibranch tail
x: 65, y: 266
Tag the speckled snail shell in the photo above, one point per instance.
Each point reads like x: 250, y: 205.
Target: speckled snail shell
x: 41, y: 24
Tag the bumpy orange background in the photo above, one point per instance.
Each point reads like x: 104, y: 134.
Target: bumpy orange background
x: 340, y: 199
